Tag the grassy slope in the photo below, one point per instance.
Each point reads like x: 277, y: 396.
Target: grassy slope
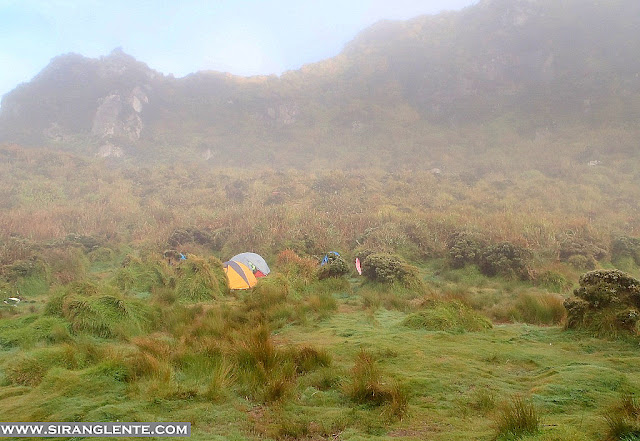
x: 456, y: 384
x: 571, y: 378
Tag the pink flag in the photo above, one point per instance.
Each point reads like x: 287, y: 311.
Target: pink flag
x: 358, y: 267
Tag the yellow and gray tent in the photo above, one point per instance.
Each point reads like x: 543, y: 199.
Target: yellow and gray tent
x: 239, y: 275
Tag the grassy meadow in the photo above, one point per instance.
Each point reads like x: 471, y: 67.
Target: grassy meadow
x: 457, y: 331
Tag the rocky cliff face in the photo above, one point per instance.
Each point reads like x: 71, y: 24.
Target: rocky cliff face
x: 119, y: 116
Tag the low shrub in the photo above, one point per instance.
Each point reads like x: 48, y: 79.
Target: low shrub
x: 607, y: 302
x: 336, y: 266
x: 213, y: 239
x: 578, y: 246
x: 505, y: 259
x: 625, y: 247
x: 389, y: 268
x: 465, y: 248
x: 580, y: 262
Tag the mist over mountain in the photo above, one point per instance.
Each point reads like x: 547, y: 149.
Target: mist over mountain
x: 399, y: 91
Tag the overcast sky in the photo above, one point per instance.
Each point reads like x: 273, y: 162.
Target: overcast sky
x: 244, y: 37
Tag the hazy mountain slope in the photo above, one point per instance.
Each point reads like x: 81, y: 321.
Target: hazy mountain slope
x: 535, y: 63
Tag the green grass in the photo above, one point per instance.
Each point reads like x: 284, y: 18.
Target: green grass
x: 337, y: 357
x: 449, y: 316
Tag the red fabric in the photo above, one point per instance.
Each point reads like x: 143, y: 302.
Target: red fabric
x: 259, y: 274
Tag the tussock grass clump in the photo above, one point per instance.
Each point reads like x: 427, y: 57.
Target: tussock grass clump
x: 221, y: 378
x: 66, y: 264
x: 27, y: 331
x: 200, y: 279
x: 322, y: 305
x: 367, y: 386
x: 623, y: 420
x: 308, y: 359
x: 539, y: 309
x: 516, y: 419
x: 29, y: 368
x: 100, y: 311
x: 483, y: 400
x: 141, y: 275
x: 451, y: 316
x: 553, y: 281
x: 300, y: 271
x: 269, y: 291
x: 106, y: 316
x: 268, y: 373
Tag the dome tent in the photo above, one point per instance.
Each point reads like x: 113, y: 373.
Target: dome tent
x: 239, y: 275
x: 254, y: 261
x: 330, y: 256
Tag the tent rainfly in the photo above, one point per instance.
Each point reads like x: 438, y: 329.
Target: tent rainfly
x: 254, y: 261
x: 239, y: 275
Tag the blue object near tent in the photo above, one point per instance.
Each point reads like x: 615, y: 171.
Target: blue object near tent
x: 326, y: 257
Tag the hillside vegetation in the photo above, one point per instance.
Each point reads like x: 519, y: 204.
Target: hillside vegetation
x: 459, y: 314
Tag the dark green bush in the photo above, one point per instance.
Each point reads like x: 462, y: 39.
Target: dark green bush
x: 581, y: 262
x: 465, y: 248
x: 335, y: 267
x: 387, y: 268
x: 578, y: 246
x: 213, y: 239
x: 604, y: 287
x: 606, y: 302
x: 89, y: 243
x: 505, y: 259
x: 24, y: 268
x: 553, y: 281
x: 625, y: 247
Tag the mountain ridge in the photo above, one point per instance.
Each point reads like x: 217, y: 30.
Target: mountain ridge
x: 534, y: 63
